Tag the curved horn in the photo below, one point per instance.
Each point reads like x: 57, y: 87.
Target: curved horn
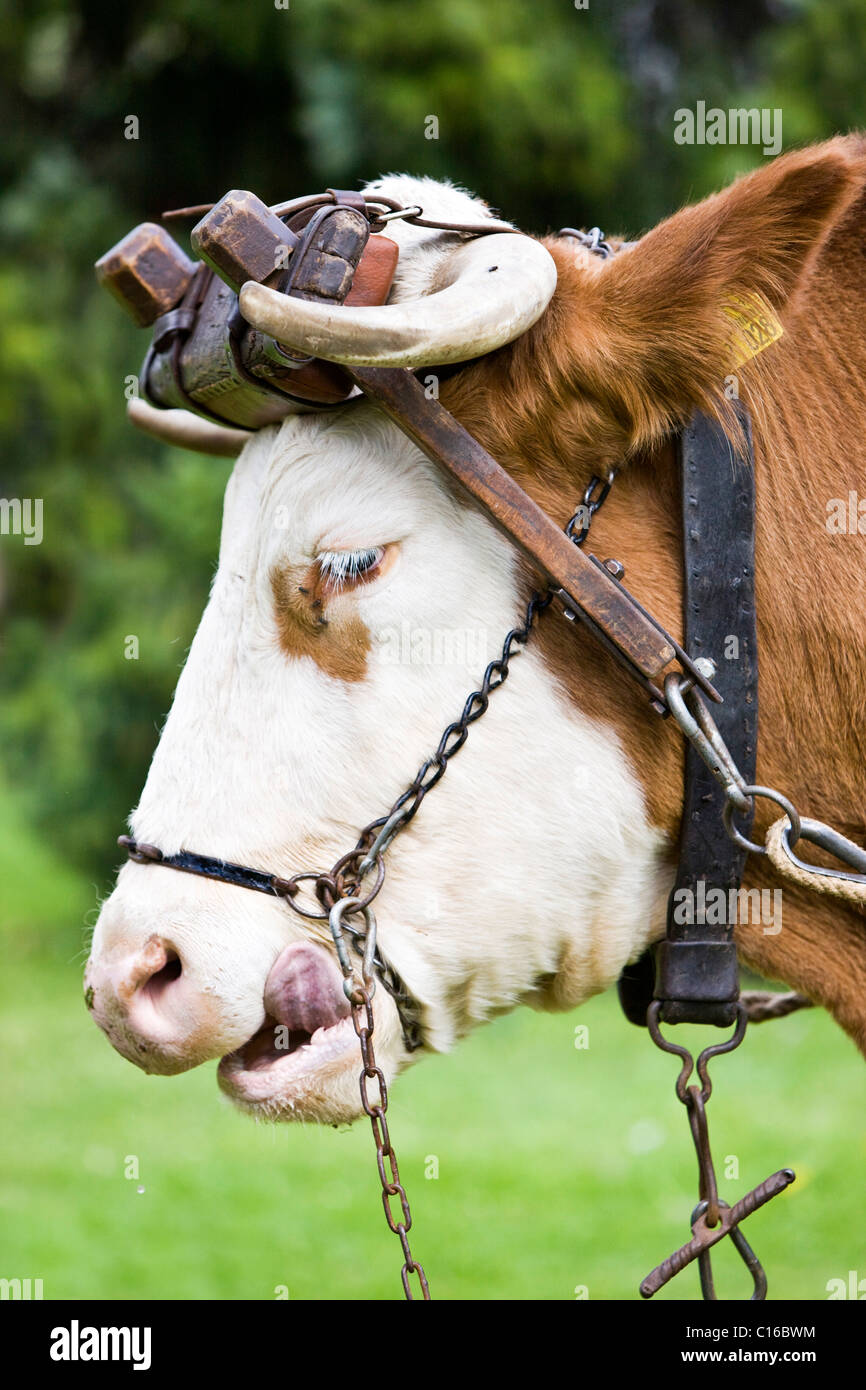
x: 186, y: 430
x: 497, y: 287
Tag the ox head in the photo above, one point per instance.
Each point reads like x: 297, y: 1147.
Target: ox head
x: 356, y: 604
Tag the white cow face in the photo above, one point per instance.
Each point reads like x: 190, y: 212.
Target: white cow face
x: 356, y: 604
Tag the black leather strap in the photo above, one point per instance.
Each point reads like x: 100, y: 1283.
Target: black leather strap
x: 207, y: 867
x: 695, y: 971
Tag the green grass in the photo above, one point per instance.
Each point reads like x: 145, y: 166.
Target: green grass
x: 558, y: 1167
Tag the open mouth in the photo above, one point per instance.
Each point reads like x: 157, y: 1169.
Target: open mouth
x: 305, y: 1042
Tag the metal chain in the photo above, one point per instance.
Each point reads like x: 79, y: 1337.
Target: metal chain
x: 345, y: 878
x: 335, y: 891
x: 347, y: 875
x: 340, y: 896
x: 594, y: 497
x: 378, y: 835
x: 360, y: 997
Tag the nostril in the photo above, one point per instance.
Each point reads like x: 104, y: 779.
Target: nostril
x: 155, y: 1005
x: 155, y: 1001
x: 159, y: 982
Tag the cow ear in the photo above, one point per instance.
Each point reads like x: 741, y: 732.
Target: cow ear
x: 653, y: 332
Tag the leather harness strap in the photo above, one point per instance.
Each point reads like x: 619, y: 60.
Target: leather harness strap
x: 206, y: 866
x: 694, y: 971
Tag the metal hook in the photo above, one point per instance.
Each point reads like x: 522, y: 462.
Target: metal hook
x: 335, y: 922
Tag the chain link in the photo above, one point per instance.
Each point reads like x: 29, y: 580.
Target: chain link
x: 340, y: 894
x: 346, y: 876
x: 594, y: 497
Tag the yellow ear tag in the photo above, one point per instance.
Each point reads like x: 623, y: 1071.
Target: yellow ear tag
x: 755, y: 325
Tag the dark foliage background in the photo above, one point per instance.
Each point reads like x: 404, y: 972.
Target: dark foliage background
x: 556, y: 115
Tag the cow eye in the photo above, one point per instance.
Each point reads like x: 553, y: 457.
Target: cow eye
x: 343, y: 569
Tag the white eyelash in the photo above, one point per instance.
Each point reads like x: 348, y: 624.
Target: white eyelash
x: 344, y: 566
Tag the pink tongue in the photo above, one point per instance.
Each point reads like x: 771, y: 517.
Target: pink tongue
x: 304, y: 990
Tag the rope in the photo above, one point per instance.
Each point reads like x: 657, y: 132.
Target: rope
x: 848, y: 889
x: 764, y: 1004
